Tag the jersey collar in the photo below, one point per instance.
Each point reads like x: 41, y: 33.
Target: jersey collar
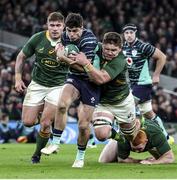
x: 52, y: 42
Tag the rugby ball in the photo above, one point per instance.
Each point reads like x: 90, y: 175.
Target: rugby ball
x: 71, y: 49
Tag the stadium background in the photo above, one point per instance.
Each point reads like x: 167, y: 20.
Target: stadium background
x: 156, y: 21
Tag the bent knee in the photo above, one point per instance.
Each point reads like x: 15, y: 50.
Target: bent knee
x: 83, y: 125
x: 45, y: 124
x: 102, y: 159
x: 102, y: 133
x: 62, y: 108
x: 28, y: 124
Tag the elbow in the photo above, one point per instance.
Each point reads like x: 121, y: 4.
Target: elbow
x: 165, y: 58
x: 171, y: 158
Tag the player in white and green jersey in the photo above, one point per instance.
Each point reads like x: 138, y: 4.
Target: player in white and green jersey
x: 138, y: 54
x: 149, y: 138
x: 48, y: 76
x: 117, y: 101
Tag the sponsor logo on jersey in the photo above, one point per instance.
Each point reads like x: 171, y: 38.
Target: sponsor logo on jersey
x: 50, y: 62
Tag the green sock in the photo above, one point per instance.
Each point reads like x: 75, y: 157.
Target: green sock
x: 41, y: 142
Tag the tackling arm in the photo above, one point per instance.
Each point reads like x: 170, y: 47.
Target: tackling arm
x: 97, y: 76
x: 69, y: 61
x: 129, y: 160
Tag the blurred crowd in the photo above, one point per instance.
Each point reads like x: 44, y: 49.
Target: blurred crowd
x: 156, y: 22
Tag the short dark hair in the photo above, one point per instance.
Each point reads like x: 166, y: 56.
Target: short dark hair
x: 112, y: 38
x: 55, y: 16
x: 74, y: 20
x: 129, y: 27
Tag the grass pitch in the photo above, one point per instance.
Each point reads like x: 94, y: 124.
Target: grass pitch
x: 15, y: 164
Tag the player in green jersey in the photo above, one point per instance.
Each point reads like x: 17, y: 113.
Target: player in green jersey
x: 149, y: 137
x: 48, y: 76
x: 117, y: 101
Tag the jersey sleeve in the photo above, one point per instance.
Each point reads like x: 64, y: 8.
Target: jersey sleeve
x: 123, y: 150
x: 29, y: 47
x: 115, y: 66
x: 147, y: 49
x: 161, y: 144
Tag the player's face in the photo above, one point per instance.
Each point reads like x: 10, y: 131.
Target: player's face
x: 74, y: 34
x: 129, y: 36
x: 139, y: 148
x: 55, y: 29
x: 110, y: 51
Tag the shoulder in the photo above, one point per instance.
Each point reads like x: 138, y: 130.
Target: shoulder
x: 88, y: 36
x: 144, y: 45
x: 88, y: 32
x: 38, y: 36
x: 120, y: 58
x: 153, y: 129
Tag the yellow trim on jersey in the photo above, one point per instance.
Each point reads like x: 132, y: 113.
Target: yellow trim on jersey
x: 53, y: 43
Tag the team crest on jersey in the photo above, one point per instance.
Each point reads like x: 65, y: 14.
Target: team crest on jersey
x: 51, y: 51
x: 129, y: 61
x: 134, y: 52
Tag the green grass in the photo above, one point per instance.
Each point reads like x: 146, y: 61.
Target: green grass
x: 15, y: 164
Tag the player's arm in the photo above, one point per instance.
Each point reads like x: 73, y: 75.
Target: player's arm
x: 160, y: 58
x: 97, y: 76
x: 166, y: 158
x: 19, y: 84
x: 129, y: 160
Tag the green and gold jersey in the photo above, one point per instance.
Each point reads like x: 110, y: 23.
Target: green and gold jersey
x: 117, y: 89
x: 157, y: 143
x: 46, y: 71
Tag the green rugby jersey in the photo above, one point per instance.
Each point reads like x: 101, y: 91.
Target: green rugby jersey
x: 138, y: 55
x: 157, y: 143
x: 47, y: 71
x: 117, y: 89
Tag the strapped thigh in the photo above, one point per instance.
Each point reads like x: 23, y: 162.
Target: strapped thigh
x: 102, y: 118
